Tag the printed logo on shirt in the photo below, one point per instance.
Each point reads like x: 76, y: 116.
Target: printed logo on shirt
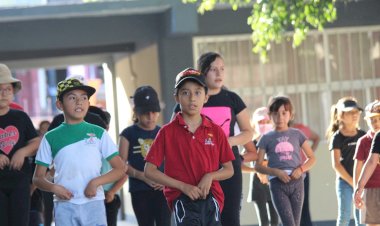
x: 284, y: 149
x: 208, y: 140
x: 91, y: 139
x: 352, y: 143
x: 144, y: 146
x: 8, y: 138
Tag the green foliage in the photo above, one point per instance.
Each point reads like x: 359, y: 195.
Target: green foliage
x: 270, y: 19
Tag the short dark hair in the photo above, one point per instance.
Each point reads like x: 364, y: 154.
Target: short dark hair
x: 98, y: 111
x: 107, y: 117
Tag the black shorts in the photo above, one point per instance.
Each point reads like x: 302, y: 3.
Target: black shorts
x: 205, y: 212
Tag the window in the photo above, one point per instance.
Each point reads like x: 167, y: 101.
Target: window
x: 327, y: 66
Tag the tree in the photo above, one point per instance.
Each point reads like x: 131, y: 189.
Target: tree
x: 270, y: 19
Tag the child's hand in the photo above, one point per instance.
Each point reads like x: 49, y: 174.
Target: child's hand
x: 153, y: 184
x: 358, y: 198
x: 4, y: 161
x: 282, y: 175
x: 263, y: 178
x: 90, y: 190
x: 158, y: 187
x: 193, y: 192
x: 297, y: 173
x: 204, y: 185
x: 17, y: 160
x: 62, y: 193
x: 110, y: 196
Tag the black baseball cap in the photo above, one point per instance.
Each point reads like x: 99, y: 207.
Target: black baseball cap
x: 192, y: 74
x: 146, y: 100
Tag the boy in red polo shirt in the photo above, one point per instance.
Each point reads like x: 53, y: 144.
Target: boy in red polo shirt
x: 197, y: 156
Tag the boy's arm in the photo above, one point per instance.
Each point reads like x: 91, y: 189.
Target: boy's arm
x: 365, y: 174
x: 151, y: 172
x: 42, y: 183
x: 367, y: 170
x: 358, y: 166
x: 110, y: 194
x: 28, y: 150
x: 225, y: 172
x: 118, y: 170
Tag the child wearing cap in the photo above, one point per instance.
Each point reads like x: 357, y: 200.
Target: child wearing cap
x: 343, y: 134
x: 76, y: 148
x: 367, y: 170
x: 196, y: 154
x: 148, y: 200
x: 227, y: 109
x: 18, y: 141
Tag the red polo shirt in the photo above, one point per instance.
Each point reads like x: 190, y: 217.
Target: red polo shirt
x: 363, y: 148
x: 189, y: 156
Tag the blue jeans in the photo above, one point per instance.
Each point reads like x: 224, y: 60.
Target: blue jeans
x: 344, y: 193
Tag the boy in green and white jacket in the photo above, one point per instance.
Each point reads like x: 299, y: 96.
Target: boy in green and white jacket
x: 76, y: 149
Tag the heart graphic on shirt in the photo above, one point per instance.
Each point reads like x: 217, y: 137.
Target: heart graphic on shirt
x: 8, y: 138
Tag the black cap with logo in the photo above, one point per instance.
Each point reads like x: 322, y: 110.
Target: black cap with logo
x: 146, y: 100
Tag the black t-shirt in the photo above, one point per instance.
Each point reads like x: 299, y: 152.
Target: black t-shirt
x: 347, y: 146
x: 222, y: 108
x: 140, y: 141
x: 16, y: 130
x: 375, y: 147
x: 90, y: 118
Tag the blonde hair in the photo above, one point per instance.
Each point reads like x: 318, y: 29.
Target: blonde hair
x: 335, y: 115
